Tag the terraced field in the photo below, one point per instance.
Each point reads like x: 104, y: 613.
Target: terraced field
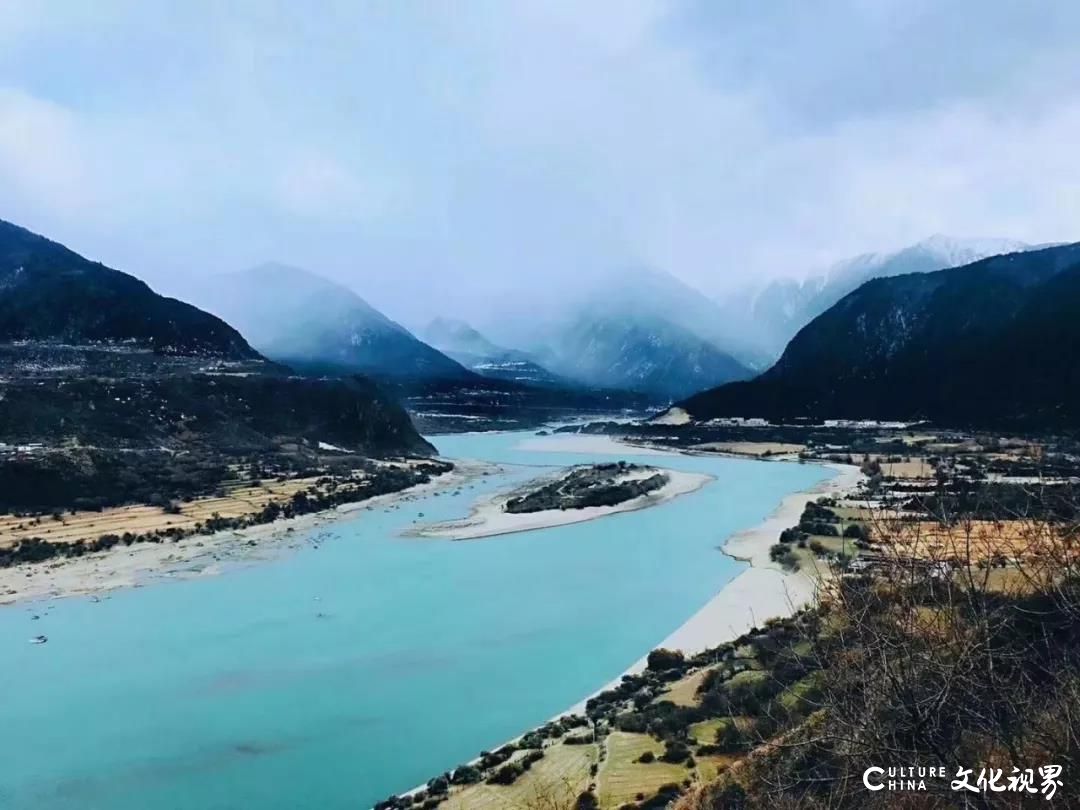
x: 554, y: 781
x: 622, y: 778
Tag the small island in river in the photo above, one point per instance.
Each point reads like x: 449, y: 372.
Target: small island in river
x: 574, y: 495
x: 592, y: 485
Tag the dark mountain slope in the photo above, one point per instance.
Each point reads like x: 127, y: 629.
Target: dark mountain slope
x: 769, y: 318
x: 218, y: 413
x: 50, y: 293
x: 993, y: 342
x: 90, y: 356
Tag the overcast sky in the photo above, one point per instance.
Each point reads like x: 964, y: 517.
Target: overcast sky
x: 429, y: 153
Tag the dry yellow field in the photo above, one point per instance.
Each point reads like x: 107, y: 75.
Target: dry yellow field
x: 977, y: 540
x: 849, y: 514
x: 559, y: 777
x: 916, y: 468
x: 684, y: 691
x: 621, y: 777
x: 756, y: 449
x: 240, y: 500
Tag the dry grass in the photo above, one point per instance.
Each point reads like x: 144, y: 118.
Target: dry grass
x: 556, y: 780
x: 240, y: 499
x: 854, y: 514
x: 708, y: 768
x: 977, y: 540
x: 705, y: 731
x: 915, y: 440
x: 684, y: 691
x: 918, y: 468
x: 622, y: 778
x: 755, y: 449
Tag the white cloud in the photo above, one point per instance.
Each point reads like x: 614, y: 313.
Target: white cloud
x: 318, y: 186
x: 484, y: 146
x: 42, y: 160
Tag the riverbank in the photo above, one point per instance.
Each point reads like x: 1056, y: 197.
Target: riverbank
x: 765, y: 590
x: 200, y: 555
x: 488, y: 518
x: 761, y: 592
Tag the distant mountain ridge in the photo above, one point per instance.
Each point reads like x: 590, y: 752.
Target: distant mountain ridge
x: 642, y: 330
x: 995, y: 341
x: 454, y: 335
x: 654, y: 356
x: 307, y: 321
x: 51, y: 293
x: 767, y: 318
x: 473, y: 350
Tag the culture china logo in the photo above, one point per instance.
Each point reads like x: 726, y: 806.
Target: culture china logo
x: 1045, y: 780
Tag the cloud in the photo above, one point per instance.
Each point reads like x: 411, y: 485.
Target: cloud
x: 441, y: 158
x: 318, y: 186
x: 42, y: 162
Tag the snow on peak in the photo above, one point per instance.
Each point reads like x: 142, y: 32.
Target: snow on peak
x: 955, y: 251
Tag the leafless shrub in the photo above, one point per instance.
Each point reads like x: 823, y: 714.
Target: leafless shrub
x: 959, y: 646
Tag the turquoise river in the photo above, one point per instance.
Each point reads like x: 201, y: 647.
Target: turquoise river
x: 362, y: 665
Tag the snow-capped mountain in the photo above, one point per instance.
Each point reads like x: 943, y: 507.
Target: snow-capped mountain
x: 990, y: 342
x: 957, y: 252
x: 770, y: 316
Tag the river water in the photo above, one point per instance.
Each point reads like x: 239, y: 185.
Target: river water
x: 363, y: 665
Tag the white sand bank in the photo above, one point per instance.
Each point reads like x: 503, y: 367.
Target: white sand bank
x: 489, y: 520
x: 763, y: 591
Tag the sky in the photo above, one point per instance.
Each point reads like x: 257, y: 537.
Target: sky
x: 445, y: 158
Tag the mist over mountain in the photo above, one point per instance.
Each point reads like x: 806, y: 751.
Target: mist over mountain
x: 992, y: 342
x: 307, y: 321
x: 460, y: 341
x: 637, y: 329
x: 94, y: 356
x: 651, y: 355
x: 761, y: 321
x: 453, y: 335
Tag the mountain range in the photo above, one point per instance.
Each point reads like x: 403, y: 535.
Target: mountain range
x: 638, y: 329
x: 993, y: 340
x: 309, y: 322
x: 996, y: 341
x: 92, y: 354
x: 652, y: 355
x: 460, y: 341
x: 760, y: 321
